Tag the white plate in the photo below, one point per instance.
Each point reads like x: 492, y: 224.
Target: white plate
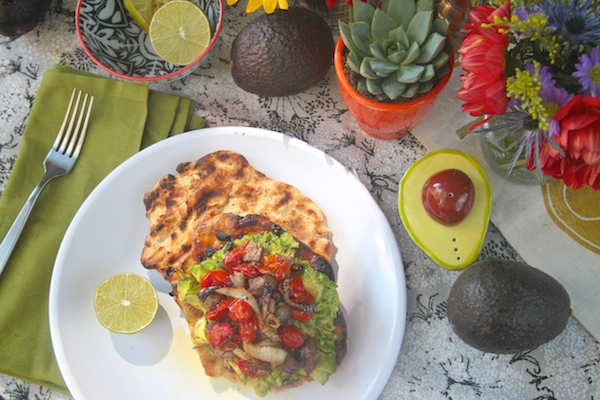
x: 106, y: 237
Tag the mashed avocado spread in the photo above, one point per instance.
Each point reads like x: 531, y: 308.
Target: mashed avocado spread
x: 316, y: 322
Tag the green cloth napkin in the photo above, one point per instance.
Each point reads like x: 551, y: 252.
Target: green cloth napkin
x: 126, y: 117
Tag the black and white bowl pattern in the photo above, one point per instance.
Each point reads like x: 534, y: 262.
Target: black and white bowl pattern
x: 121, y: 47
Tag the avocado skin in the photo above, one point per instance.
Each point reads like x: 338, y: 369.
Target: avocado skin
x: 501, y: 307
x: 18, y: 17
x: 283, y: 53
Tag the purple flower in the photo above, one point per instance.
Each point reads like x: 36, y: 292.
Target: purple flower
x: 588, y: 72
x: 550, y: 92
x: 546, y: 79
x: 553, y: 97
x: 575, y: 20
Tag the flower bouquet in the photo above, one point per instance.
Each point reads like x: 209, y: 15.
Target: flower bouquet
x: 532, y: 73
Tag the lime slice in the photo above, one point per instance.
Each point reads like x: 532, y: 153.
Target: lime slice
x: 142, y: 10
x: 125, y: 303
x: 179, y: 32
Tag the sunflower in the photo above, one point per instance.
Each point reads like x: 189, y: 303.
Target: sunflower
x: 268, y: 5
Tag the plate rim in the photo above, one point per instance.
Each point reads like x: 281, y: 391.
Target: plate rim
x: 399, y: 324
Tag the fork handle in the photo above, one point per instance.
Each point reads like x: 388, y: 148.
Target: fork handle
x: 14, y: 232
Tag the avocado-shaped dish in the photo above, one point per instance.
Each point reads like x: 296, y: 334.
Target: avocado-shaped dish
x: 444, y: 202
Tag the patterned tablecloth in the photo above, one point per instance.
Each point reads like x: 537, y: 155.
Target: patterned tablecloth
x: 433, y: 362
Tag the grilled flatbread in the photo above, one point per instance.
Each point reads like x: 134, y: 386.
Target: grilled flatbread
x: 223, y: 182
x: 252, y: 259
x: 203, y: 213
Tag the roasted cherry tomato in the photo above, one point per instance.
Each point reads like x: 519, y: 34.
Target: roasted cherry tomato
x: 220, y: 312
x: 297, y: 287
x: 275, y: 265
x: 240, y: 311
x: 215, y: 278
x: 300, y: 295
x: 301, y: 316
x: 448, y: 196
x: 247, y: 330
x: 219, y: 333
x: 250, y: 369
x: 234, y: 257
x: 248, y: 270
x: 304, y: 297
x: 291, y: 336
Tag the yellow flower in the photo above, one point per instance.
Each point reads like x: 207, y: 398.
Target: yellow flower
x: 268, y: 5
x: 526, y: 86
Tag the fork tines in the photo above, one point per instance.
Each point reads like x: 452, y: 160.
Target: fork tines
x: 71, y: 143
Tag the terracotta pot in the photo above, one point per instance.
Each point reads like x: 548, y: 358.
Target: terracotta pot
x: 385, y: 120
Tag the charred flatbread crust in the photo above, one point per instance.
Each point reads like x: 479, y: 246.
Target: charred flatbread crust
x: 237, y: 227
x: 223, y: 182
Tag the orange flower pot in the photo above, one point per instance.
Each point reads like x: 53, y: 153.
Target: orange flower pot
x: 385, y: 120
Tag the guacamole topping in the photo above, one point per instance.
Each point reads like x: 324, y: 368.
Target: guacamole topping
x: 250, y: 292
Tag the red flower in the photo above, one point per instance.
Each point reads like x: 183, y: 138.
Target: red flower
x: 579, y: 139
x: 482, y: 58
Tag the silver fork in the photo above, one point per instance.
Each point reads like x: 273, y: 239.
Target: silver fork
x: 58, y: 162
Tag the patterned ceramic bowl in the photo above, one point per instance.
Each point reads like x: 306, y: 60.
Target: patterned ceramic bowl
x: 120, y: 46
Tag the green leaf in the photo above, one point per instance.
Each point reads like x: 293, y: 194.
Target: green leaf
x: 420, y: 26
x: 440, y: 25
x: 425, y: 87
x: 399, y: 35
x: 442, y: 71
x: 383, y: 68
x: 389, y: 46
x: 440, y: 60
x: 382, y: 25
x: 410, y: 73
x: 402, y: 11
x: 362, y: 12
x: 346, y: 35
x: 428, y: 74
x: 361, y: 37
x: 431, y: 48
x: 378, y: 51
x: 412, y: 54
x: 424, y: 5
x: 361, y: 85
x: 397, y: 56
x: 374, y: 86
x: 354, y: 60
x: 365, y: 68
x: 384, y: 5
x: 410, y: 91
x: 392, y: 88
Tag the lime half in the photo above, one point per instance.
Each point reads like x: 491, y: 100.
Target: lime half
x: 179, y: 32
x: 142, y: 10
x: 125, y: 303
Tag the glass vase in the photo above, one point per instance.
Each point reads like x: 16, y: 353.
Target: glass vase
x: 506, y: 158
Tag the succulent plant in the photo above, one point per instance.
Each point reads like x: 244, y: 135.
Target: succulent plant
x: 398, y: 48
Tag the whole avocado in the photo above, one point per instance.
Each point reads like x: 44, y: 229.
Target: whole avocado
x: 20, y: 16
x: 501, y: 307
x: 283, y: 53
